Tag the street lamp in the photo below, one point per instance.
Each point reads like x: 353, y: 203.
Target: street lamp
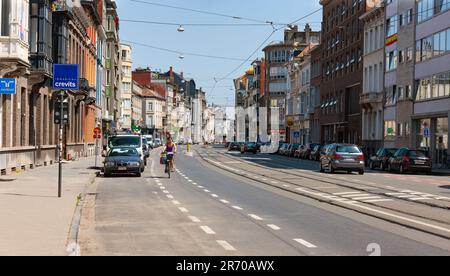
x: 181, y: 29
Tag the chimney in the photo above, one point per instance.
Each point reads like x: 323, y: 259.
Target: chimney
x: 308, y: 33
x: 142, y: 76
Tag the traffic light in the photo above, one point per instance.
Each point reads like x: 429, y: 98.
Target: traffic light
x: 57, y: 113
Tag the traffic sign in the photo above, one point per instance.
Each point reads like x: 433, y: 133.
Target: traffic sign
x: 66, y: 76
x: 7, y: 86
x: 97, y: 131
x: 296, y: 134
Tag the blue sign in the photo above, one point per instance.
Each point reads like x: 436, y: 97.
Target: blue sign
x: 296, y: 134
x: 7, y: 86
x: 66, y: 77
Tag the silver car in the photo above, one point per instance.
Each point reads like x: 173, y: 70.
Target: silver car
x: 342, y: 157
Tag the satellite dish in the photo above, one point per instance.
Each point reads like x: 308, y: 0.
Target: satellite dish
x: 181, y: 29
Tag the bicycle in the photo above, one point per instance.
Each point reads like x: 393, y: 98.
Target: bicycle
x: 168, y: 157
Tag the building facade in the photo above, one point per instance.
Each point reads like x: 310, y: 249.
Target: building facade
x: 316, y: 79
x: 431, y: 110
x: 136, y: 106
x: 125, y: 120
x: 342, y: 50
x: 153, y: 112
x: 373, y: 79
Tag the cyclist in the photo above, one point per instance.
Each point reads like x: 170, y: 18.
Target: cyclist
x: 170, y: 149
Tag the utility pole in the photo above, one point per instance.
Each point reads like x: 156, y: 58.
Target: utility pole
x: 61, y: 131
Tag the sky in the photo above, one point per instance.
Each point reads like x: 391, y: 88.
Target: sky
x: 234, y: 42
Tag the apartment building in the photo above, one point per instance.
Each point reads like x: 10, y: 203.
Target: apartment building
x: 126, y: 91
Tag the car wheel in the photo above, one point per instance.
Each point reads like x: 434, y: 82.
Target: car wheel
x: 321, y: 168
x: 361, y: 172
x: 349, y: 172
x: 138, y: 175
x: 106, y: 175
x: 429, y: 172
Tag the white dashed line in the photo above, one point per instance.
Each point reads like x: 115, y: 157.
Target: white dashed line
x: 206, y: 191
x: 207, y: 230
x: 255, y: 217
x: 201, y: 187
x: 214, y: 195
x: 377, y: 200
x: 162, y: 188
x: 170, y: 196
x: 194, y: 219
x: 274, y: 227
x: 346, y: 193
x: 175, y: 202
x: 305, y: 243
x: 184, y: 210
x: 166, y: 192
x: 366, y: 198
x: 226, y: 246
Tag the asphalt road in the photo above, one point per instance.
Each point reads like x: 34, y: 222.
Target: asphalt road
x: 204, y: 210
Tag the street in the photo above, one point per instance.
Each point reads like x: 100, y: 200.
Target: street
x: 218, y: 203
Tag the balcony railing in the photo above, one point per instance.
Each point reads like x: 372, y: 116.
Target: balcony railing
x: 371, y: 97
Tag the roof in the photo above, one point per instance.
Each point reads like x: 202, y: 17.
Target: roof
x: 147, y: 92
x: 307, y: 50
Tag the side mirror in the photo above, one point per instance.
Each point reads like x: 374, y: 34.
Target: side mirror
x: 104, y: 147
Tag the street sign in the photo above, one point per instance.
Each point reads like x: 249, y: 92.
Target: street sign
x: 7, y: 86
x: 66, y: 76
x: 97, y: 130
x: 296, y: 134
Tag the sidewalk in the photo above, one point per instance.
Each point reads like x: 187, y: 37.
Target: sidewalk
x: 33, y: 220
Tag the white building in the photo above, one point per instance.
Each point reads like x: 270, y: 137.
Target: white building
x: 136, y: 104
x: 126, y: 89
x: 373, y: 79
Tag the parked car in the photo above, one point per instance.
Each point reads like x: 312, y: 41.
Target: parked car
x: 381, y: 158
x: 345, y: 157
x: 249, y: 147
x: 315, y: 153
x: 234, y: 146
x: 283, y: 149
x: 298, y: 152
x: 287, y: 150
x: 127, y: 140
x: 123, y: 160
x: 145, y: 150
x: 306, y: 152
x: 292, y: 150
x: 227, y: 144
x: 407, y: 160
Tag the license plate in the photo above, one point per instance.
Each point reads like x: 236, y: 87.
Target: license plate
x: 122, y: 168
x: 349, y: 160
x: 420, y: 162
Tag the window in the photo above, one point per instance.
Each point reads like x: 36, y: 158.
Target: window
x: 391, y: 26
x: 401, y: 56
x: 391, y: 60
x: 434, y: 45
x: 5, y: 10
x: 409, y: 54
x: 400, y: 129
x: 425, y: 9
x: 434, y: 87
x: 389, y: 130
x: 408, y: 91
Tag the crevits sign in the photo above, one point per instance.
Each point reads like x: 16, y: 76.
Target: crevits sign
x: 66, y: 77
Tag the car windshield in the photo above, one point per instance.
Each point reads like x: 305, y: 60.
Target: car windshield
x: 391, y: 151
x: 251, y: 144
x: 417, y: 153
x: 348, y: 149
x: 123, y: 152
x: 129, y: 141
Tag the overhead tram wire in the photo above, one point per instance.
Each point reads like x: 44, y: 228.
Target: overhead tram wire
x: 207, y: 12
x: 201, y: 24
x: 181, y: 52
x: 261, y: 45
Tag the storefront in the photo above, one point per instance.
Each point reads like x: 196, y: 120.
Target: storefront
x: 432, y: 135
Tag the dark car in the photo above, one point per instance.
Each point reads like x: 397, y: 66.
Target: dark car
x: 283, y: 148
x: 306, y: 152
x: 342, y: 157
x: 407, y: 160
x: 292, y: 150
x: 249, y: 147
x: 381, y: 158
x: 123, y: 160
x: 234, y: 146
x: 315, y: 153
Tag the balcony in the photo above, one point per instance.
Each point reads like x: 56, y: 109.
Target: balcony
x: 371, y: 98
x: 14, y: 49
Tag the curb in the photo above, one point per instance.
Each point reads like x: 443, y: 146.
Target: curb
x: 73, y: 248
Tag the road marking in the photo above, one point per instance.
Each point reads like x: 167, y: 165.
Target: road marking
x: 420, y: 198
x: 207, y: 230
x: 287, y: 186
x: 255, y: 217
x: 346, y: 193
x: 194, y: 219
x: 237, y: 208
x: 395, y: 194
x: 402, y: 218
x: 366, y: 198
x: 225, y: 201
x: 355, y: 195
x: 190, y: 180
x: 175, y: 202
x: 206, y: 191
x: 274, y: 227
x: 170, y: 196
x: 305, y: 243
x: 406, y: 196
x: 214, y: 195
x: 442, y: 198
x: 184, y: 210
x: 162, y: 188
x: 201, y: 187
x: 226, y: 246
x: 274, y: 182
x: 378, y: 200
x: 166, y: 192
